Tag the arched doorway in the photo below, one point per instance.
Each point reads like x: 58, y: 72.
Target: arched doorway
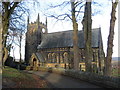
x: 34, y: 62
x: 65, y: 60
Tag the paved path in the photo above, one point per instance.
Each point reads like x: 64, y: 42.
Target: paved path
x: 60, y: 81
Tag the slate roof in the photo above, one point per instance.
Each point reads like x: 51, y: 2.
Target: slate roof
x: 65, y: 39
x: 40, y: 57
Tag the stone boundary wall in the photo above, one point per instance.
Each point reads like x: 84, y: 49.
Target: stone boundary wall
x: 100, y: 80
x: 104, y: 81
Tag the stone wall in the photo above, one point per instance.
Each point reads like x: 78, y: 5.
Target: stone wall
x: 100, y: 80
x: 104, y: 81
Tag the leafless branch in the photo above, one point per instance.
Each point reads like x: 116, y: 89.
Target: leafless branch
x: 79, y: 11
x: 96, y: 3
x: 61, y: 17
x: 77, y: 4
x: 63, y: 4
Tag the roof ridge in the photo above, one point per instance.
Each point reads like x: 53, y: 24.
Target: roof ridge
x: 69, y: 31
x: 59, y: 31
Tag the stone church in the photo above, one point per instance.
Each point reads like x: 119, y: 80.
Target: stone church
x: 56, y: 49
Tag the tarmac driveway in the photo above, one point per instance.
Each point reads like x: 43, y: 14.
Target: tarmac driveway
x: 61, y: 81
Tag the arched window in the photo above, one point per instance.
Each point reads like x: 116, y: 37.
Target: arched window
x: 61, y: 58
x: 49, y: 57
x: 57, y: 57
x: 54, y: 59
x: 65, y: 57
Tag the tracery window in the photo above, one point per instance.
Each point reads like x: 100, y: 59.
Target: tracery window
x: 54, y: 59
x: 49, y: 57
x: 61, y: 58
x: 65, y: 57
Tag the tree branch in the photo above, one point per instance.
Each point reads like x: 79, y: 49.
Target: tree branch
x: 59, y: 5
x: 13, y: 7
x: 64, y: 16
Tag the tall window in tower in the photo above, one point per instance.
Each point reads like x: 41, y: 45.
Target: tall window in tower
x: 38, y: 37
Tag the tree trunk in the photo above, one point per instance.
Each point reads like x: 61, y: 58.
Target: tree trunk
x: 75, y: 38
x: 87, y: 26
x: 1, y: 47
x: 20, y: 49
x: 110, y: 41
x: 5, y: 23
x: 5, y: 56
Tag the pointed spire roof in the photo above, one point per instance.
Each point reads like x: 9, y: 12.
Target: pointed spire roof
x: 38, y: 21
x: 28, y: 21
x: 46, y: 21
x: 38, y: 18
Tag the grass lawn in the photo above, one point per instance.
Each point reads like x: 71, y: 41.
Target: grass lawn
x: 13, y: 78
x: 115, y: 72
x: 116, y: 68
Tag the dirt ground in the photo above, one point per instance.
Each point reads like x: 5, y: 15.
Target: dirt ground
x: 21, y: 79
x: 15, y: 83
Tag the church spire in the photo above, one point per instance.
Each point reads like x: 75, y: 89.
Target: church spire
x: 38, y: 19
x: 46, y: 22
x: 46, y: 31
x: 28, y: 20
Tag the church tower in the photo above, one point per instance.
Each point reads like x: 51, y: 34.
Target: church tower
x: 34, y: 34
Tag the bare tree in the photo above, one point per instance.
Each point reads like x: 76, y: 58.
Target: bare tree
x: 7, y: 10
x: 110, y: 40
x: 72, y: 15
x: 75, y: 37
x: 1, y: 43
x: 75, y: 15
x: 12, y: 13
x: 67, y: 15
x: 19, y: 38
x: 87, y: 27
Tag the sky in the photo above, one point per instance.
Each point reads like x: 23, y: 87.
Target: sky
x: 101, y: 19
